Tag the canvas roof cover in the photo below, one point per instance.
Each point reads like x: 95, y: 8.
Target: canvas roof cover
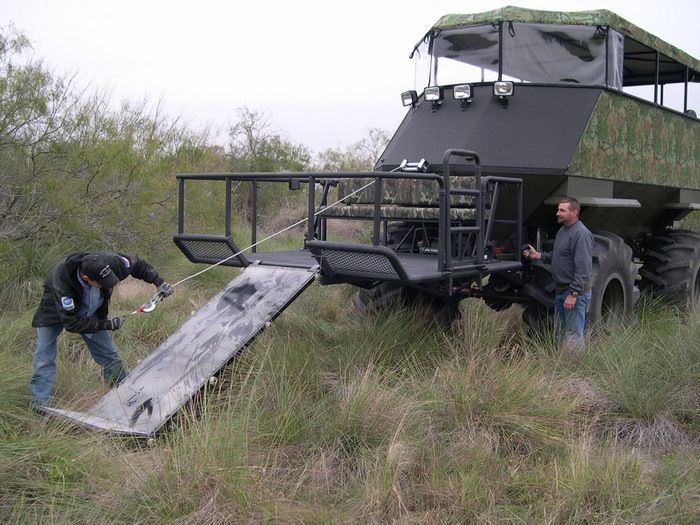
x: 599, y: 17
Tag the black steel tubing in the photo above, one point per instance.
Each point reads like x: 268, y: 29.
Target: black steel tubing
x: 496, y: 178
x: 685, y: 89
x: 502, y: 266
x: 254, y: 218
x: 607, y: 55
x: 479, y: 212
x: 494, y: 202
x: 519, y: 227
x: 181, y: 206
x: 464, y: 229
x: 444, y: 203
x: 500, y: 51
x: 227, y: 212
x: 312, y: 209
x: 377, y: 210
x: 301, y: 176
x: 656, y: 77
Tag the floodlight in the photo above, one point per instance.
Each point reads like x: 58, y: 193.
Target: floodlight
x: 462, y: 91
x: 503, y: 88
x: 409, y: 98
x: 433, y: 93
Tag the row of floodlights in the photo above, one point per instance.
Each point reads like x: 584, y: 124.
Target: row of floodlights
x: 462, y: 92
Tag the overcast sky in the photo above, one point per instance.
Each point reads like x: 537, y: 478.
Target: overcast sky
x: 324, y: 71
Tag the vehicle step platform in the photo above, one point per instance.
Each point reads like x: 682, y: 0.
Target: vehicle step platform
x: 221, y: 249
x: 381, y: 263
x: 163, y: 382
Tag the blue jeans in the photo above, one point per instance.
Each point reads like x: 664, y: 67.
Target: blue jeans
x: 100, y: 345
x: 569, y: 324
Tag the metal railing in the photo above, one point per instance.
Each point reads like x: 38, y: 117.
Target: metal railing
x: 480, y: 231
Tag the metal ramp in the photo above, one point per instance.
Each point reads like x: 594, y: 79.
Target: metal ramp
x: 163, y: 382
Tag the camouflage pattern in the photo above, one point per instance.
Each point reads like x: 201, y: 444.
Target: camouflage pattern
x: 600, y: 17
x: 406, y: 192
x: 630, y: 140
x: 391, y: 212
x: 160, y: 384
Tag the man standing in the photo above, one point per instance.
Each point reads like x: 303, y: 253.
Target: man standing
x: 572, y: 262
x: 76, y: 298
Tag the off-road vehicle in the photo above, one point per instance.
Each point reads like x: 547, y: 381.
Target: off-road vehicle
x: 517, y: 109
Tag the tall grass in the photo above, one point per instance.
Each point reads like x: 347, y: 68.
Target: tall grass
x: 651, y: 372
x: 334, y: 417
x: 597, y: 482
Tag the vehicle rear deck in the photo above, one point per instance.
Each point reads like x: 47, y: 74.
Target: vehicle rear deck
x: 463, y: 217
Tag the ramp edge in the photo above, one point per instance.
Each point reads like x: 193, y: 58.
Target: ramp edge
x: 92, y: 422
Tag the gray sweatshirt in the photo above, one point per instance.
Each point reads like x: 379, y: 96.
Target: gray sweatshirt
x: 572, y: 257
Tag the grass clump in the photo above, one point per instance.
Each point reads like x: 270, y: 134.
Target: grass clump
x: 598, y: 483
x: 651, y: 372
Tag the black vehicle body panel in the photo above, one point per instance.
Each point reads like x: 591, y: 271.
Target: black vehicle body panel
x: 539, y: 129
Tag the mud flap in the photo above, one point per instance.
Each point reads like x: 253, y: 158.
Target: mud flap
x: 163, y: 382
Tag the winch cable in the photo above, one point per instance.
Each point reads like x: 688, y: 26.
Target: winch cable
x: 150, y: 305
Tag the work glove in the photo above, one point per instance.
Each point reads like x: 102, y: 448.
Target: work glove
x: 164, y: 290
x: 114, y: 324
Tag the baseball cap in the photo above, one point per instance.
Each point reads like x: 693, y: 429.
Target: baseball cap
x: 98, y: 267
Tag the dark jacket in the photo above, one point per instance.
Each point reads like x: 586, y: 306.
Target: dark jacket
x: 572, y: 258
x: 63, y: 292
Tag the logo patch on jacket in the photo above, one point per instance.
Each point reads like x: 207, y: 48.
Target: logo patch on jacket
x: 68, y: 303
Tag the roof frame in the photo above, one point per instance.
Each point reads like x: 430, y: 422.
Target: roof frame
x: 600, y: 17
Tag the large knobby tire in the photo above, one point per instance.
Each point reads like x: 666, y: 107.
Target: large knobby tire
x: 613, y: 290
x: 441, y: 311
x: 671, y: 268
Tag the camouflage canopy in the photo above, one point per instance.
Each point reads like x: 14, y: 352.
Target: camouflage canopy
x: 599, y: 17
